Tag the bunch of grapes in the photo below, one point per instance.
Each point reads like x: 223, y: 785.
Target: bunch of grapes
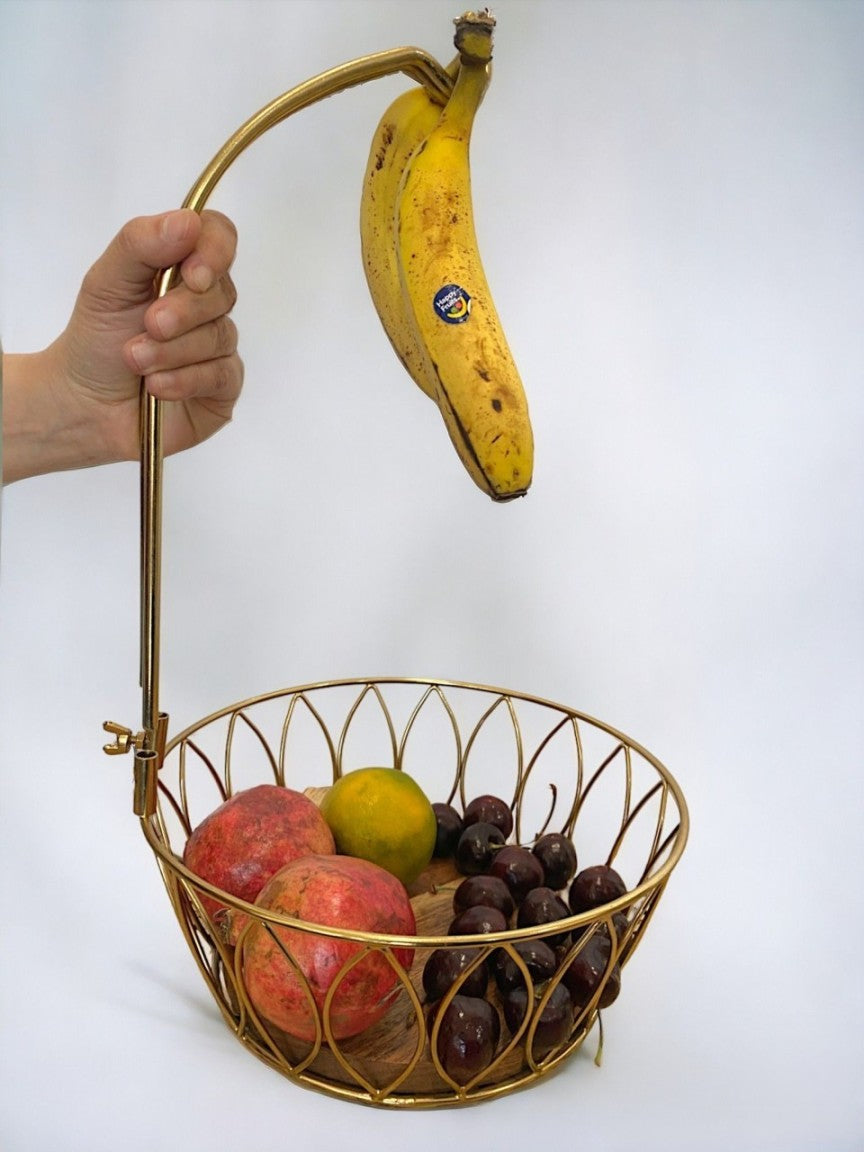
x: 507, y: 885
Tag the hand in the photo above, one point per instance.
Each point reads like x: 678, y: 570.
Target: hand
x: 77, y: 403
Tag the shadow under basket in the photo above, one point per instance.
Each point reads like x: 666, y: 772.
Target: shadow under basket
x: 561, y: 771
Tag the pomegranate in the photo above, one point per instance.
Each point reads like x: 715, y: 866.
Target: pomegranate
x: 339, y: 892
x: 244, y: 841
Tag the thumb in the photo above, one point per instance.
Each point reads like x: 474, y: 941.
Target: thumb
x: 123, y: 275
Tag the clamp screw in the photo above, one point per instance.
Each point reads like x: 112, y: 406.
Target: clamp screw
x: 124, y: 740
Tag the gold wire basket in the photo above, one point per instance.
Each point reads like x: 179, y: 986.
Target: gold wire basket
x: 561, y: 771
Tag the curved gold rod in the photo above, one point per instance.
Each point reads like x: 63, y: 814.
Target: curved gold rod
x: 414, y: 63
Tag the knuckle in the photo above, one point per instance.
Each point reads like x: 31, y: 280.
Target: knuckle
x: 229, y: 291
x: 94, y: 290
x: 215, y: 379
x: 129, y: 236
x: 231, y: 376
x: 224, y: 336
x: 220, y: 220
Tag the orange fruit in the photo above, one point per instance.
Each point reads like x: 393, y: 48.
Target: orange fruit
x: 382, y: 815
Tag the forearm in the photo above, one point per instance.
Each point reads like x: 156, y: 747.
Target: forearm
x: 45, y: 427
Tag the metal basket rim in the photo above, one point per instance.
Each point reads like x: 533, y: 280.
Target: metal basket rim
x: 393, y: 940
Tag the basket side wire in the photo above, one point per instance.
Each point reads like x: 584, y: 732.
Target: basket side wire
x: 569, y: 819
x: 379, y: 1092
x: 229, y: 746
x: 628, y: 822
x: 302, y: 698
x: 344, y: 1073
x: 463, y: 1090
x: 503, y: 700
x: 435, y: 691
x: 370, y: 688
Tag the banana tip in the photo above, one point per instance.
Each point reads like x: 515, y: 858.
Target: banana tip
x: 506, y: 497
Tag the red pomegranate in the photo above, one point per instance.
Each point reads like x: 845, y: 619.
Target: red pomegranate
x: 339, y: 892
x: 244, y: 841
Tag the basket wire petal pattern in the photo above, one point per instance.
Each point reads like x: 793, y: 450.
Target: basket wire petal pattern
x: 563, y: 771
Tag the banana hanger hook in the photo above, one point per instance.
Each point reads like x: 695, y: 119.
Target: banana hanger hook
x: 425, y: 70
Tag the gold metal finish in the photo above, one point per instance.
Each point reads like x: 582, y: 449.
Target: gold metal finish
x: 124, y: 740
x: 414, y: 63
x: 146, y: 777
x: 561, y: 769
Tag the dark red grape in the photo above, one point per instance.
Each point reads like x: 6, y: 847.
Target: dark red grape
x: 519, y: 868
x: 476, y: 848
x: 620, y: 923
x: 594, y: 886
x: 468, y: 1036
x: 477, y: 921
x: 557, y: 855
x: 488, y: 890
x: 553, y: 1024
x: 449, y: 829
x: 490, y: 810
x: 538, y: 957
x: 586, y: 971
x: 446, y: 965
x: 543, y: 906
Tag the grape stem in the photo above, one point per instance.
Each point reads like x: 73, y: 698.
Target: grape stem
x: 548, y: 819
x: 598, y: 1059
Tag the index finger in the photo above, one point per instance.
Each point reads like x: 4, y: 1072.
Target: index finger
x: 213, y: 253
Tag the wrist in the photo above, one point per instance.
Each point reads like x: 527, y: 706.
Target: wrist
x: 46, y: 427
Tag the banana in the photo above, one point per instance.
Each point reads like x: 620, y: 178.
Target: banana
x: 402, y: 128
x: 477, y: 384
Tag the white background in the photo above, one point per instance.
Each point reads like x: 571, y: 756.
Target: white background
x: 670, y: 211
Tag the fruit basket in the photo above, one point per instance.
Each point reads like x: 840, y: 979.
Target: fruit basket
x: 439, y: 1015
x: 560, y: 770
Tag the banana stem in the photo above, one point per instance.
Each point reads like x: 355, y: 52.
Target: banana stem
x: 473, y: 37
x: 414, y: 63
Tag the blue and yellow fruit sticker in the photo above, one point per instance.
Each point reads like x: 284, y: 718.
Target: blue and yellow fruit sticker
x: 452, y: 303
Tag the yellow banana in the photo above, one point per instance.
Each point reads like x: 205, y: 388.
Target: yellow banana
x: 478, y: 388
x: 404, y: 126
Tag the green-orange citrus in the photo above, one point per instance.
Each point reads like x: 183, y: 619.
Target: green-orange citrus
x: 382, y: 815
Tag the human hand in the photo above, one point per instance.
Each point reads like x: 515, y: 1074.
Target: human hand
x: 78, y: 401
